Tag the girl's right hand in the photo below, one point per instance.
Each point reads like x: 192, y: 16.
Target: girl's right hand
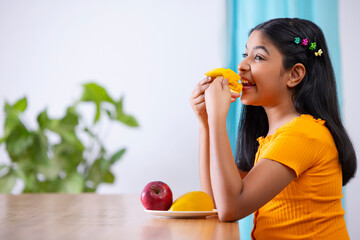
x: 197, y: 100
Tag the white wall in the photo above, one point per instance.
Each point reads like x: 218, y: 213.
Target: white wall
x: 153, y: 52
x: 350, y: 51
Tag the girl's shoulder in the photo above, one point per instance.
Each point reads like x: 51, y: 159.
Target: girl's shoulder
x: 308, y: 128
x: 305, y: 126
x: 305, y: 123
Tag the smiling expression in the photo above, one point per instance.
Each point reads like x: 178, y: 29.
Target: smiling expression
x: 262, y: 73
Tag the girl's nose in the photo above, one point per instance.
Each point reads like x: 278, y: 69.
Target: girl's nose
x: 243, y: 67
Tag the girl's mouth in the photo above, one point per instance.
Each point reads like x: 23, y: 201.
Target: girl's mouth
x: 247, y: 83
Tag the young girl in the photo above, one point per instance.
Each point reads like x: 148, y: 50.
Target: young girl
x: 293, y: 153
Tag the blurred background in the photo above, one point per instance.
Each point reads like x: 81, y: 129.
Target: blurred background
x: 151, y: 53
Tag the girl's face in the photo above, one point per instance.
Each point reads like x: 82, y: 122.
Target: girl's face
x: 263, y: 69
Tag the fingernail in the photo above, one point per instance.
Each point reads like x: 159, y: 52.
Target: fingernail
x: 209, y: 78
x: 226, y: 81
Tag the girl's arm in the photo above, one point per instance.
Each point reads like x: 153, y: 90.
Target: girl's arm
x: 204, y: 161
x: 236, y: 197
x: 197, y: 101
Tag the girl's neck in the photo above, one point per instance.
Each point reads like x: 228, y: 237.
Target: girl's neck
x: 277, y: 117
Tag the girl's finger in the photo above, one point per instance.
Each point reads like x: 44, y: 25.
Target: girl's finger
x: 219, y: 80
x: 235, y: 95
x: 206, y: 80
x: 200, y: 89
x: 199, y: 99
x: 200, y: 107
x: 197, y: 91
x: 209, y: 79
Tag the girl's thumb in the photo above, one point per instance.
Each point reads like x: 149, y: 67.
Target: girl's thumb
x: 226, y: 83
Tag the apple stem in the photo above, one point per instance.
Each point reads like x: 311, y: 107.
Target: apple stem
x: 155, y: 189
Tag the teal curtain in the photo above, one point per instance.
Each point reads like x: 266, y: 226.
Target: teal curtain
x: 242, y: 15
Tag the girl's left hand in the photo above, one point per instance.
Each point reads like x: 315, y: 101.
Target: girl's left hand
x: 218, y: 98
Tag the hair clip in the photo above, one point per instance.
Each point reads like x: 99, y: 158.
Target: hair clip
x: 305, y: 42
x: 297, y: 40
x: 318, y: 53
x: 313, y: 46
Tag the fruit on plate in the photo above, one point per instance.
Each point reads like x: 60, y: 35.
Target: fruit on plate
x: 232, y: 77
x: 156, y: 195
x: 193, y: 201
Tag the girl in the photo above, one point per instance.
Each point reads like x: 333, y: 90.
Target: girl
x: 293, y: 153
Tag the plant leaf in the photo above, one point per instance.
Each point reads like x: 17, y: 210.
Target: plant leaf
x: 117, y: 155
x: 12, y: 120
x: 7, y: 182
x: 128, y: 120
x: 39, y: 149
x: 124, y: 118
x: 88, y: 131
x: 73, y: 183
x: 109, y: 177
x: 21, y: 104
x: 43, y: 120
x: 95, y: 173
x: 3, y: 166
x: 65, y: 126
x: 18, y: 107
x: 19, y: 141
x: 98, y: 112
x: 68, y: 156
x: 93, y: 92
x: 20, y: 174
x: 50, y: 170
x: 30, y: 183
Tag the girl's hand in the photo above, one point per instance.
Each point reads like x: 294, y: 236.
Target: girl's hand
x: 218, y: 98
x: 197, y: 100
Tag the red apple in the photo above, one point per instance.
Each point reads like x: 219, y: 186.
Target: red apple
x: 156, y: 196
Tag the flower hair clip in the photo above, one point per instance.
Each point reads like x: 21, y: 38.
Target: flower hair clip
x: 313, y: 46
x: 318, y: 53
x: 304, y: 41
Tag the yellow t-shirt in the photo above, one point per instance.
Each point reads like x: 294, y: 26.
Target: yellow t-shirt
x: 310, y: 206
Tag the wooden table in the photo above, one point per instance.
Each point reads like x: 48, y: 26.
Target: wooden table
x: 92, y: 216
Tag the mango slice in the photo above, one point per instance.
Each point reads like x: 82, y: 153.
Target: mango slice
x: 193, y: 201
x: 230, y: 75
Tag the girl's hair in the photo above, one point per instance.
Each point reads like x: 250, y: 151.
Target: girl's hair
x: 315, y: 95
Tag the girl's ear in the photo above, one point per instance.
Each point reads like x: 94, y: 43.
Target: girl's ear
x: 297, y: 73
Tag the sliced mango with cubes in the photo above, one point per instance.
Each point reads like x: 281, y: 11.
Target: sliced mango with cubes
x: 232, y: 77
x: 193, y: 201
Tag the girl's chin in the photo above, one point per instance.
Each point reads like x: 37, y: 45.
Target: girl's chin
x: 247, y: 101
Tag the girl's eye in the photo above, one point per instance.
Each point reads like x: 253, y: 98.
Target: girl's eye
x: 258, y: 57
x: 245, y: 55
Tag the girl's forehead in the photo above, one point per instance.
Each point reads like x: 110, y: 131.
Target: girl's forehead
x: 258, y: 38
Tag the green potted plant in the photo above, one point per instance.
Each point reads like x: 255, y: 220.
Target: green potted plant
x: 63, y: 166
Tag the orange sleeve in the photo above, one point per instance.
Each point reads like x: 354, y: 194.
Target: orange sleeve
x: 295, y: 150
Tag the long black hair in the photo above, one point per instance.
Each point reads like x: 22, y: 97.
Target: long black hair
x: 315, y: 95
